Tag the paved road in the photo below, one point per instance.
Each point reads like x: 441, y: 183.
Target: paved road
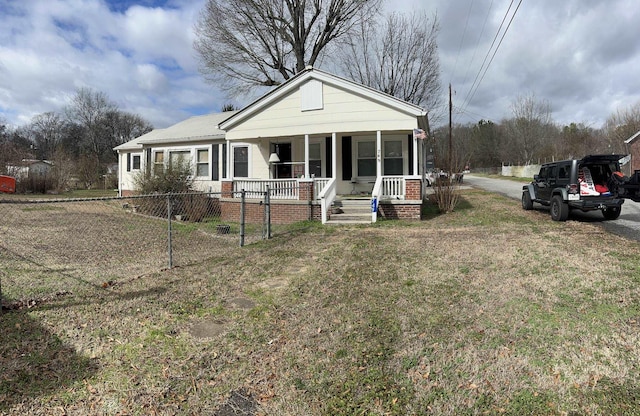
x: 628, y: 225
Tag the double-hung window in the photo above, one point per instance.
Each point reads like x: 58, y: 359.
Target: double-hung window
x: 202, y: 164
x: 367, y: 158
x: 393, y: 157
x: 158, y: 162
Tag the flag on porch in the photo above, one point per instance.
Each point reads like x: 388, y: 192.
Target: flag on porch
x: 419, y: 134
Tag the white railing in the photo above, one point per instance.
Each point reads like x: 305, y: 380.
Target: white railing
x: 393, y: 187
x: 280, y: 188
x: 326, y: 196
x: 318, y: 186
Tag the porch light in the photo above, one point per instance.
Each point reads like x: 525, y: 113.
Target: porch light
x: 273, y: 158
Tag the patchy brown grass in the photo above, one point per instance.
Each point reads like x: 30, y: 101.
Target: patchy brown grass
x: 487, y: 310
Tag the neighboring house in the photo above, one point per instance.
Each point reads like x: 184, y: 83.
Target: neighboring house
x: 633, y: 147
x: 29, y: 167
x: 313, y: 138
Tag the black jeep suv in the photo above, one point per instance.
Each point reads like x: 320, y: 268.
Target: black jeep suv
x: 591, y: 183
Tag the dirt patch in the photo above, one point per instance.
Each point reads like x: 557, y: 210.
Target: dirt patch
x: 207, y: 329
x: 240, y: 403
x: 242, y: 303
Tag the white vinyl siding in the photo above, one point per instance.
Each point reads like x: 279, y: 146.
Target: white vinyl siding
x: 342, y: 111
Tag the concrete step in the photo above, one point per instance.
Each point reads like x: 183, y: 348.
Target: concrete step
x: 351, y: 211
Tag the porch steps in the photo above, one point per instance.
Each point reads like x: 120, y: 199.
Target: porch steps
x: 347, y: 210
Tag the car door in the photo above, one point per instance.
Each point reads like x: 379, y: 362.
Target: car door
x: 543, y: 192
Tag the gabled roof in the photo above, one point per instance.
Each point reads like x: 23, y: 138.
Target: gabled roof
x: 197, y: 128
x: 325, y: 77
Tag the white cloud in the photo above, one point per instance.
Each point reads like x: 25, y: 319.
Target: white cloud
x: 579, y: 55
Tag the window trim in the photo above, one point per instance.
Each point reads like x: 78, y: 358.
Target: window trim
x: 233, y: 160
x: 197, y: 163
x: 385, y: 157
x: 356, y: 166
x: 133, y: 162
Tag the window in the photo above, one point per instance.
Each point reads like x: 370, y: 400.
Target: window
x: 241, y: 161
x: 393, y: 158
x: 158, y: 162
x: 315, y: 160
x: 135, y: 162
x: 179, y: 157
x: 367, y: 158
x: 202, y: 164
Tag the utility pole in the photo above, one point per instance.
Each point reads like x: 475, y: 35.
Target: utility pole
x: 450, y: 133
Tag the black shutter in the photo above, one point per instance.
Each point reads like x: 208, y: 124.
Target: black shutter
x: 215, y: 162
x: 329, y: 155
x: 128, y: 162
x: 224, y: 160
x: 347, y: 163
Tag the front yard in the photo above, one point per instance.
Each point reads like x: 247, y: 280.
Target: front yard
x: 487, y: 310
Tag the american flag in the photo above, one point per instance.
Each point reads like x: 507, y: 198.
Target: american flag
x: 419, y: 134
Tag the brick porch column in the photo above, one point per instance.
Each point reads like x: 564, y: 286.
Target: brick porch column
x: 413, y: 189
x: 306, y: 189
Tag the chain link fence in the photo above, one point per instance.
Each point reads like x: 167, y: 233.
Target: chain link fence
x: 48, y: 246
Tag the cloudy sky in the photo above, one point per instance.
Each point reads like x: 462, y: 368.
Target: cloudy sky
x: 582, y: 56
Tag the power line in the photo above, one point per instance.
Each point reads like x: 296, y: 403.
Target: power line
x: 464, y: 32
x: 479, y: 78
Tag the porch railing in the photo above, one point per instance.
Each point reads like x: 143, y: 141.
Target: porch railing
x: 318, y: 185
x: 327, y: 196
x: 393, y: 187
x: 280, y: 188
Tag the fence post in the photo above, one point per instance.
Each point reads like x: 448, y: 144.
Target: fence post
x: 169, y: 231
x: 242, y: 203
x: 267, y: 209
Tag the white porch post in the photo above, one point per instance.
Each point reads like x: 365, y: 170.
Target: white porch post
x: 415, y: 156
x: 228, y: 159
x: 306, y: 156
x: 334, y: 156
x: 379, y: 154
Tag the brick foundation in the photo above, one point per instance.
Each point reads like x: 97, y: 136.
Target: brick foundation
x: 282, y: 212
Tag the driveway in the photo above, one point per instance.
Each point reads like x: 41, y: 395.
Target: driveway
x: 628, y: 225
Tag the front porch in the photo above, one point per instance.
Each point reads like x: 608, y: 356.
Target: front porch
x: 299, y: 199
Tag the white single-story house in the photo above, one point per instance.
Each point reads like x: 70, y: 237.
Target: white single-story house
x: 316, y: 137
x: 29, y: 167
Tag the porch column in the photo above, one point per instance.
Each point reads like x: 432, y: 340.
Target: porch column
x: 306, y: 156
x: 415, y: 156
x: 334, y: 156
x: 379, y: 154
x: 228, y: 160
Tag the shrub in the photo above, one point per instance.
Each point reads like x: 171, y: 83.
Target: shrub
x: 174, y: 178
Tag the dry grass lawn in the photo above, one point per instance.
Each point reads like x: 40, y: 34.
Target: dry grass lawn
x: 488, y: 310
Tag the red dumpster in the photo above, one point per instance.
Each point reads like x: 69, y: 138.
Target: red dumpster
x: 7, y: 184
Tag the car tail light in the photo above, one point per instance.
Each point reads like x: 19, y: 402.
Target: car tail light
x: 573, y: 188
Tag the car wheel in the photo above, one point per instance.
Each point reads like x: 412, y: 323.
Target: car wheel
x: 559, y: 209
x: 527, y: 203
x: 611, y: 213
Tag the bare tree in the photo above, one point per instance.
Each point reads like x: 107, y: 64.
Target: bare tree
x: 89, y: 109
x: 399, y: 57
x: 46, y: 130
x: 620, y: 126
x: 248, y: 43
x: 531, y: 130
